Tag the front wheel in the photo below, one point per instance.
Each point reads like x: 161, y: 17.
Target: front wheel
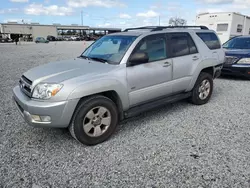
x: 203, y: 89
x: 94, y: 121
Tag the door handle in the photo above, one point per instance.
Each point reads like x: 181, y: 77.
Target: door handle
x: 166, y: 64
x: 195, y: 58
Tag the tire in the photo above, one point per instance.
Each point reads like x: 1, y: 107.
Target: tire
x: 197, y: 98
x: 94, y: 107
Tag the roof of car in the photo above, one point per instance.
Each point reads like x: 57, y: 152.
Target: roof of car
x: 245, y: 36
x: 160, y: 29
x: 127, y: 33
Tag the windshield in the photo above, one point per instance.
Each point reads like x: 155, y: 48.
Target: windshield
x: 238, y: 43
x: 110, y: 48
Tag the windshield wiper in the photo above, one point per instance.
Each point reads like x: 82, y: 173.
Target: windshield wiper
x: 99, y: 59
x: 94, y: 58
x: 84, y: 57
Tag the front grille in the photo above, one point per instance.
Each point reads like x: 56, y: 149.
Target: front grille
x: 25, y: 85
x: 229, y: 60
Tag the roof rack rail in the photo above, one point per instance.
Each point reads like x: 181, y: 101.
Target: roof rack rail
x: 159, y: 28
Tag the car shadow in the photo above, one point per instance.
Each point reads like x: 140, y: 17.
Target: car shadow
x: 235, y: 78
x: 132, y: 123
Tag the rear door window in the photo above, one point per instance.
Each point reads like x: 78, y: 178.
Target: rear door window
x: 210, y: 39
x: 182, y: 44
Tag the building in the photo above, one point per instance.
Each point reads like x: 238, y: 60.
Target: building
x: 33, y: 30
x: 226, y: 24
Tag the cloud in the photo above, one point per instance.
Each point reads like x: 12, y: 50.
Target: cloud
x: 147, y: 22
x: 173, y: 6
x: 235, y: 6
x: 97, y: 3
x: 148, y: 14
x: 39, y: 9
x: 19, y: 1
x: 9, y: 10
x: 169, y: 6
x: 241, y: 4
x: 211, y: 10
x: 18, y: 20
x: 154, y: 7
x: 122, y: 23
x: 104, y: 25
x: 216, y: 1
x: 125, y: 16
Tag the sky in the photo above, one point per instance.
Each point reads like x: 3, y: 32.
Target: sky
x: 113, y: 13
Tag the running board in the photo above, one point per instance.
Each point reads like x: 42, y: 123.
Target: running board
x: 154, y: 104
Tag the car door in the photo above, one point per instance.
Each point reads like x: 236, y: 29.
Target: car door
x: 42, y: 40
x: 152, y: 79
x: 185, y: 58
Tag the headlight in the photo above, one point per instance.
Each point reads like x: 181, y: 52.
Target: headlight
x: 46, y: 91
x: 244, y: 61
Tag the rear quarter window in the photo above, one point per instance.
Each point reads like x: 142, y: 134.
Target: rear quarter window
x: 210, y: 39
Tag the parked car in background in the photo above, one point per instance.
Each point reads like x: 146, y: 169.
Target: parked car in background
x: 67, y: 38
x: 41, y: 40
x: 86, y: 38
x: 73, y: 38
x: 6, y: 40
x: 51, y: 38
x: 120, y: 76
x: 237, y: 60
x: 81, y: 38
x: 93, y: 37
x: 59, y: 38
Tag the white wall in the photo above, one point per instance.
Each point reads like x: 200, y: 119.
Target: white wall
x: 17, y: 29
x: 246, y: 27
x: 211, y: 20
x: 237, y: 19
x: 34, y: 30
x: 43, y: 31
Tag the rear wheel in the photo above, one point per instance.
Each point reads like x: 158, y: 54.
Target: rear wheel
x: 94, y: 120
x: 203, y: 89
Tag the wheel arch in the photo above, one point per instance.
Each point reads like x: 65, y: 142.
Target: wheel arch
x: 208, y: 69
x: 112, y: 95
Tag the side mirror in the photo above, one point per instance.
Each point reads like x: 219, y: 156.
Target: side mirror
x: 138, y: 58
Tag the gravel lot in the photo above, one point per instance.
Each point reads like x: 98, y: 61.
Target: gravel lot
x: 179, y: 145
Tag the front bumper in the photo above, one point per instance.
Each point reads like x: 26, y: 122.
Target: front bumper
x: 59, y: 112
x: 236, y: 70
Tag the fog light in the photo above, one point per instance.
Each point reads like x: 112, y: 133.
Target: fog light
x: 35, y: 118
x: 45, y: 118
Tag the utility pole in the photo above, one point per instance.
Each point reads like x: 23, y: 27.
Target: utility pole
x: 159, y: 20
x: 81, y: 18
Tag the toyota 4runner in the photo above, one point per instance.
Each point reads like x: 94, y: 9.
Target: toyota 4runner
x: 119, y: 76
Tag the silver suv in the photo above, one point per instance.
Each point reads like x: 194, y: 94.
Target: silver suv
x: 119, y: 76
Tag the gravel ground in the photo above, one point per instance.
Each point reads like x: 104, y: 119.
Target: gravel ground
x: 179, y: 145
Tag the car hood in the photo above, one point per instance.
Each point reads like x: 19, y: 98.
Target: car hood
x: 59, y: 71
x: 237, y: 52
